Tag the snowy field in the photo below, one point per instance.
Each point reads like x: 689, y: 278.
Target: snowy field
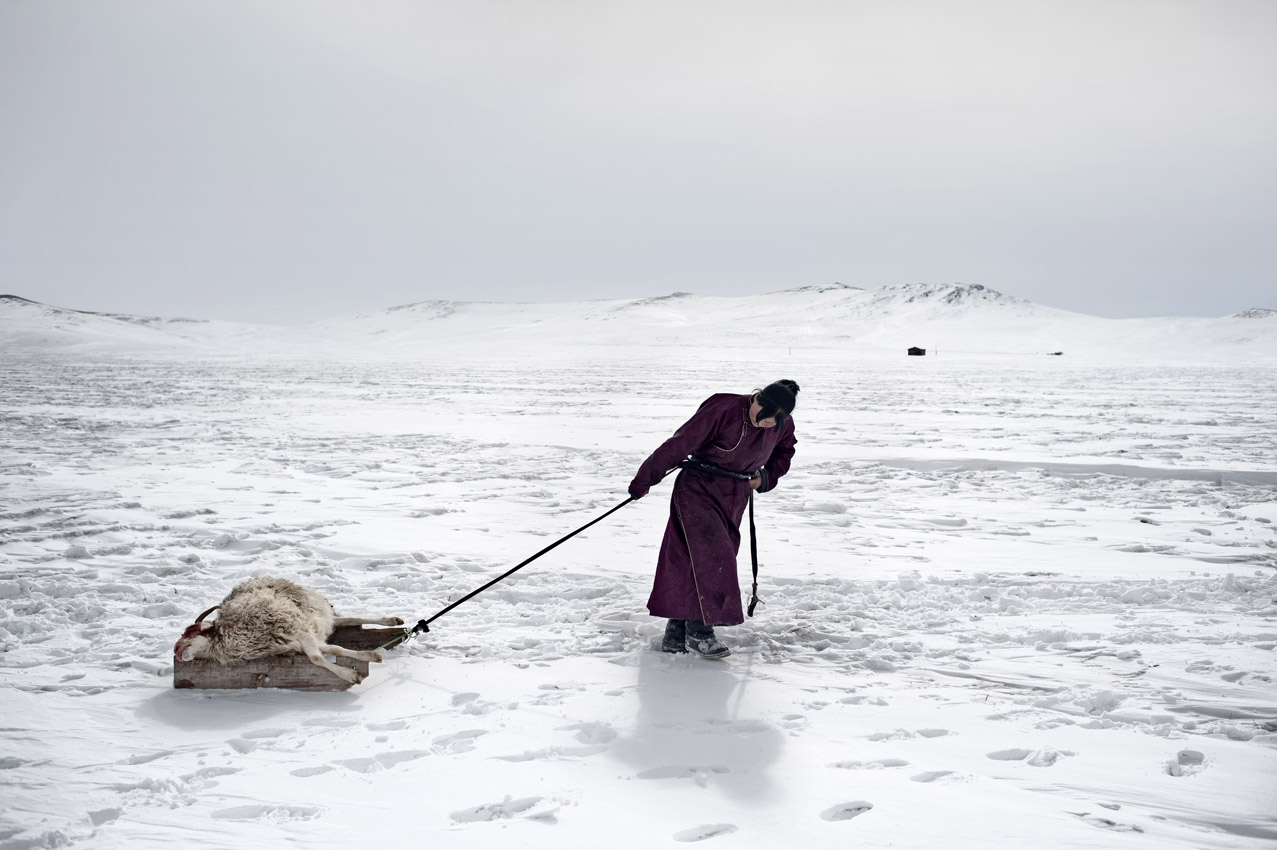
x: 1009, y: 602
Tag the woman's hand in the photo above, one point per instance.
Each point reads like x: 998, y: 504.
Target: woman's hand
x: 756, y: 481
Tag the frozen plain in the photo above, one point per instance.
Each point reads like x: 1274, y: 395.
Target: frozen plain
x: 1009, y: 601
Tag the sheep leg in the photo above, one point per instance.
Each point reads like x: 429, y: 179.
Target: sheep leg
x: 334, y: 649
x: 365, y: 621
x: 315, y: 652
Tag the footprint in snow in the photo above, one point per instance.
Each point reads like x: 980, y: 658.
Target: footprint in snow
x: 700, y: 775
x: 265, y: 733
x: 205, y: 774
x: 1045, y: 757
x: 1186, y: 763
x: 876, y: 764
x: 557, y: 692
x: 311, y: 771
x: 331, y: 722
x: 528, y: 808
x: 594, y: 732
x: 931, y: 775
x: 275, y: 814
x: 846, y: 811
x: 709, y: 830
x: 144, y: 758
x: 384, y: 761
x: 793, y: 722
x: 458, y: 742
x: 556, y: 753
x: 469, y: 703
x: 1106, y: 823
x: 899, y: 734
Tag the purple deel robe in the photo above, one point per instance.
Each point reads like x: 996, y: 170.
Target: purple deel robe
x: 696, y: 571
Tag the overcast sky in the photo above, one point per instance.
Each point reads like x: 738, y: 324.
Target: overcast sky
x: 286, y: 160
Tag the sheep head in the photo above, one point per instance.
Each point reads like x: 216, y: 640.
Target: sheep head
x: 194, y: 642
x: 197, y: 638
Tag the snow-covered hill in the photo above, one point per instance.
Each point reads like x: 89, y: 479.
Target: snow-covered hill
x: 945, y: 319
x: 29, y: 326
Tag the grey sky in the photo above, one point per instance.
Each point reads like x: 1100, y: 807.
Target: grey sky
x: 261, y: 160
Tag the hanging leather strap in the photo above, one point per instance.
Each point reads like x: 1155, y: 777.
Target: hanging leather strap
x: 753, y: 557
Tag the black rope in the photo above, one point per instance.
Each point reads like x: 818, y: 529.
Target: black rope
x: 424, y: 625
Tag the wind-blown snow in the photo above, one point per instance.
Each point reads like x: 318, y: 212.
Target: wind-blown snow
x: 1009, y: 600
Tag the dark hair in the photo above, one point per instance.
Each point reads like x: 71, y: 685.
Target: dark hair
x: 777, y: 400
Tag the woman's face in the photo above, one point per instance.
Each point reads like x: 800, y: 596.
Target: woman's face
x: 754, y: 409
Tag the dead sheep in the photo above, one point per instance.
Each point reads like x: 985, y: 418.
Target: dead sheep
x: 273, y: 616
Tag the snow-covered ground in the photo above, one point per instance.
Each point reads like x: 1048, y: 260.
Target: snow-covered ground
x: 1009, y: 601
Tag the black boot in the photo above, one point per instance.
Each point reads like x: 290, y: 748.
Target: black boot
x: 675, y: 639
x: 701, y: 640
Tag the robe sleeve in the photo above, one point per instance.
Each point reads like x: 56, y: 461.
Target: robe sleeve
x: 693, y: 434
x: 778, y: 464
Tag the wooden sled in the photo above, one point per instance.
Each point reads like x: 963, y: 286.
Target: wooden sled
x: 287, y: 671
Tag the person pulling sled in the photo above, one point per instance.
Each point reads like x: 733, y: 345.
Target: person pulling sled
x: 732, y: 446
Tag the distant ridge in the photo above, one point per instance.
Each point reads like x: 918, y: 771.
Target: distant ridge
x: 958, y: 319
x: 826, y: 287
x: 119, y: 317
x: 953, y: 293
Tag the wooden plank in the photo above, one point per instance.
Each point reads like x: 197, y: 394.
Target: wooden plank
x: 285, y: 671
x: 365, y: 637
x: 276, y: 671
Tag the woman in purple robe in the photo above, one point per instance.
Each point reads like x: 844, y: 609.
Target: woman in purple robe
x: 735, y: 443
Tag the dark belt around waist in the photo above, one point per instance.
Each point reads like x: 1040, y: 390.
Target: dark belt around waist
x: 712, y: 469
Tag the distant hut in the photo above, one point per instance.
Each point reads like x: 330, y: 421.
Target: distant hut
x: 917, y: 352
